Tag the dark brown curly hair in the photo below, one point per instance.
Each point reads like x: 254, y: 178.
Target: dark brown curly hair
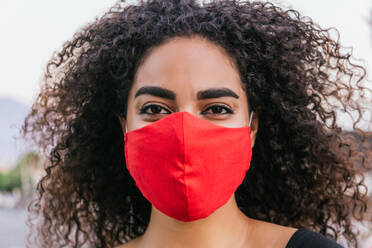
x: 304, y: 171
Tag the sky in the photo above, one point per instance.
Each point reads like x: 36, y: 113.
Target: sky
x: 32, y: 30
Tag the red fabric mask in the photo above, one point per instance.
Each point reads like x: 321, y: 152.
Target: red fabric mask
x: 185, y: 166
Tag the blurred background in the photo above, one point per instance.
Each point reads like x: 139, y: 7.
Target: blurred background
x: 32, y: 30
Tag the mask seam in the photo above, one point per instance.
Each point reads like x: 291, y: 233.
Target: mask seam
x: 184, y: 167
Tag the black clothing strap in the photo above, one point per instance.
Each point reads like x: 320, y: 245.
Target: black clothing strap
x: 304, y: 238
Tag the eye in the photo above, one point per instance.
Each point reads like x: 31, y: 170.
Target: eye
x: 154, y: 109
x: 218, y: 109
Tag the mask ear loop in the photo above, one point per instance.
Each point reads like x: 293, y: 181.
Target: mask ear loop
x: 126, y: 129
x: 250, y: 119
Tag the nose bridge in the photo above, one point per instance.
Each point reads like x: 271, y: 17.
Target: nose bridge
x: 188, y: 108
x: 187, y: 103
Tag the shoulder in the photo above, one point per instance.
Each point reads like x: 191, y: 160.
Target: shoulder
x: 304, y: 238
x: 272, y: 235
x: 266, y: 234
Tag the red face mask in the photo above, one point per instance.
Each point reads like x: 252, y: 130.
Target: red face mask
x: 185, y: 166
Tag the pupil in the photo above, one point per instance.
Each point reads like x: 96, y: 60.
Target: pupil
x: 218, y: 109
x: 154, y: 108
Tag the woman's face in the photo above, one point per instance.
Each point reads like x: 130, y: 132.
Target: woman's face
x: 188, y: 75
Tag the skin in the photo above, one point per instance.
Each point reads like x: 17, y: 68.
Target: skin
x: 204, y: 66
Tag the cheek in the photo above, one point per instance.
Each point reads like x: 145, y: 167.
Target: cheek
x: 243, y: 113
x: 240, y: 119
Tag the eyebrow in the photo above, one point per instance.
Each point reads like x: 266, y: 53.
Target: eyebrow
x: 168, y: 94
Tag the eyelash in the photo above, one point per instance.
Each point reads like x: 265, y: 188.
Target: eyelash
x: 145, y: 107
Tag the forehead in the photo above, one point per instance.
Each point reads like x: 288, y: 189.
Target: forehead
x: 190, y: 62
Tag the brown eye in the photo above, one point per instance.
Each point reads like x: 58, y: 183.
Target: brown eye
x: 219, y: 109
x: 153, y: 108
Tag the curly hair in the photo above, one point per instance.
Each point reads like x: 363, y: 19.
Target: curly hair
x: 304, y: 171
